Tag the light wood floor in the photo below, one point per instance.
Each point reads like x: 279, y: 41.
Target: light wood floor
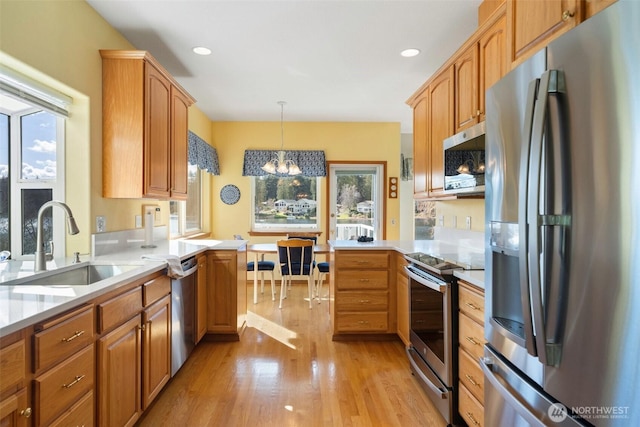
x: 286, y: 371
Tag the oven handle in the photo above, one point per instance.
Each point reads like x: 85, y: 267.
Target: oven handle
x: 436, y: 286
x: 190, y: 271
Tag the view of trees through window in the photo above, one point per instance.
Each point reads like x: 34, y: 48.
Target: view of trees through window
x: 424, y: 219
x: 285, y: 201
x: 355, y: 199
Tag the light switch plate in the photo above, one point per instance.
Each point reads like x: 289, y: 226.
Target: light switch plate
x: 138, y: 221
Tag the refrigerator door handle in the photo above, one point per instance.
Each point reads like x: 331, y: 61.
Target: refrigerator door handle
x: 525, y: 291
x: 509, y: 398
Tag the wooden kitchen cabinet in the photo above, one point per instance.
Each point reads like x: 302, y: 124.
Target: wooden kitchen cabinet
x: 226, y: 294
x: 440, y: 125
x: 471, y: 340
x: 594, y: 6
x: 15, y: 405
x: 402, y: 288
x: 145, y: 126
x: 433, y: 118
x: 536, y: 23
x: 201, y: 298
x: 364, y: 295
x: 156, y: 344
x: 466, y: 84
x: 492, y: 54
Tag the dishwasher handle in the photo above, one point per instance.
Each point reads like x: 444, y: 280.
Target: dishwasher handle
x: 189, y: 266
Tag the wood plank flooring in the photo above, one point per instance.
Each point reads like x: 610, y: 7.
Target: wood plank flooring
x: 286, y: 371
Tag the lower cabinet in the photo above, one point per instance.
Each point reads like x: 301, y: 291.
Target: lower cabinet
x: 471, y: 336
x: 15, y: 410
x: 156, y: 349
x: 402, y: 289
x: 201, y: 298
x: 226, y: 294
x: 15, y: 406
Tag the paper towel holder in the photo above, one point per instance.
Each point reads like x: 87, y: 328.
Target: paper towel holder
x: 148, y: 231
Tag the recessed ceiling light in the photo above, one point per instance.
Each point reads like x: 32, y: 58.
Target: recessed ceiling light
x: 408, y: 53
x: 201, y: 50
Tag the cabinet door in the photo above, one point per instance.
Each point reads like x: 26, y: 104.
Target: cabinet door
x: 420, y: 146
x: 157, y: 133
x: 536, y: 23
x: 221, y: 292
x: 14, y: 411
x: 492, y: 55
x: 119, y: 375
x: 201, y: 299
x: 403, y: 307
x: 156, y: 366
x: 466, y: 88
x: 440, y: 125
x: 594, y: 6
x: 179, y: 139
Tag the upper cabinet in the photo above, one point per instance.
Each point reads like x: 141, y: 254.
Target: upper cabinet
x: 492, y: 58
x: 536, y: 23
x: 145, y: 126
x: 594, y: 6
x: 467, y: 107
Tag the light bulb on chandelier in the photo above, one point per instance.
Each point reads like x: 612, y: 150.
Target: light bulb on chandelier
x: 281, y: 164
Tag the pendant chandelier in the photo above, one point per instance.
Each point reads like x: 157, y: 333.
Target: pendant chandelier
x: 280, y: 164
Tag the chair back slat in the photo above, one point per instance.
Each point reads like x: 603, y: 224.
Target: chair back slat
x: 295, y: 256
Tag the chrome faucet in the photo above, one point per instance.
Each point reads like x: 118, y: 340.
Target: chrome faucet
x: 41, y: 264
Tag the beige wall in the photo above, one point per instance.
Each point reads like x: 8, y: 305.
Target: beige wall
x: 340, y: 141
x: 57, y: 42
x: 461, y: 209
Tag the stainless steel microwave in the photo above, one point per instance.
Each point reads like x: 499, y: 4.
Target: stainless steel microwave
x: 464, y: 161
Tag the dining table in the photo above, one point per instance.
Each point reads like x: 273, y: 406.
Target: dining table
x: 259, y: 250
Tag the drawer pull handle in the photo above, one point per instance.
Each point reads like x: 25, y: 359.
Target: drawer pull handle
x: 473, y: 420
x: 471, y: 380
x: 364, y: 280
x: 26, y: 412
x: 74, y: 382
x: 364, y: 301
x: 363, y: 322
x: 472, y: 341
x: 472, y: 306
x: 75, y: 335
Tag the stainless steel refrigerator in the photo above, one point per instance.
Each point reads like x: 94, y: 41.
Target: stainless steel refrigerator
x: 563, y: 231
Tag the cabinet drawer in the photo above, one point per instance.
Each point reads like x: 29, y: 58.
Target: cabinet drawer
x: 362, y: 301
x: 400, y: 263
x: 362, y: 259
x: 62, y: 337
x: 80, y: 414
x: 119, y: 309
x: 362, y: 322
x: 12, y: 365
x: 471, y: 302
x: 470, y: 409
x: 362, y: 279
x: 471, y: 375
x: 155, y: 289
x: 471, y: 336
x: 60, y: 387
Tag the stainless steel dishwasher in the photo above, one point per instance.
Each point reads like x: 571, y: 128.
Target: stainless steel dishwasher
x: 183, y: 308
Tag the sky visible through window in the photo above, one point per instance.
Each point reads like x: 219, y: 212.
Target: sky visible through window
x: 38, y: 146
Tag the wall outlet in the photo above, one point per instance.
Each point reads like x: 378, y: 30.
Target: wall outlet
x: 101, y: 224
x: 153, y: 210
x: 468, y: 222
x: 454, y: 222
x: 138, y: 221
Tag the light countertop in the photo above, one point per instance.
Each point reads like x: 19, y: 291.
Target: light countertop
x: 22, y: 305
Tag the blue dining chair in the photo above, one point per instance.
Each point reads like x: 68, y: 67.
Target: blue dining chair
x: 263, y: 267
x: 296, y: 258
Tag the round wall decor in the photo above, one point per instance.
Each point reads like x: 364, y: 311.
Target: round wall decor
x: 230, y: 194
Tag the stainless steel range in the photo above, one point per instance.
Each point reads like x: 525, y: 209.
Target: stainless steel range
x: 434, y: 329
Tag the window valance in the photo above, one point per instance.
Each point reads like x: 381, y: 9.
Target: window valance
x: 203, y: 155
x: 310, y: 162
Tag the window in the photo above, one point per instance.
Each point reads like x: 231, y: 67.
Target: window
x: 31, y: 174
x: 285, y: 203
x: 186, y: 216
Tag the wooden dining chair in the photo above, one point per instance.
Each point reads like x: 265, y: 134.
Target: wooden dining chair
x: 296, y: 259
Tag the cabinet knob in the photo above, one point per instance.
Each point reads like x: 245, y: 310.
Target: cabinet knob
x: 566, y: 15
x: 26, y: 412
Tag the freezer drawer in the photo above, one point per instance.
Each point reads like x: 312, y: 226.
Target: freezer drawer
x: 512, y: 400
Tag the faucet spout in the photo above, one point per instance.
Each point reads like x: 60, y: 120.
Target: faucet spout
x: 40, y: 262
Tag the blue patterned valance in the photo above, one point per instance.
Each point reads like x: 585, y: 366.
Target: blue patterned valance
x: 310, y: 162
x: 203, y: 155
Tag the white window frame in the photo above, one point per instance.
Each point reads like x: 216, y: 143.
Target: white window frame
x: 285, y: 228
x: 18, y: 184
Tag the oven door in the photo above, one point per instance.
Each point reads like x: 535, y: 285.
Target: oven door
x: 430, y: 322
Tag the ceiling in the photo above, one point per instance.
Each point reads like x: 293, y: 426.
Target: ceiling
x: 333, y: 60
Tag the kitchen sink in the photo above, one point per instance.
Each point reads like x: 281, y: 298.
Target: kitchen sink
x: 83, y: 274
